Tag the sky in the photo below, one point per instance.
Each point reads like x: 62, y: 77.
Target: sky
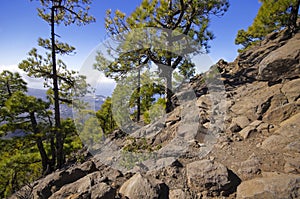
x: 20, y: 27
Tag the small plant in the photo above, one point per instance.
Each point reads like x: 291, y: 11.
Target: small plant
x: 137, y: 151
x: 137, y: 145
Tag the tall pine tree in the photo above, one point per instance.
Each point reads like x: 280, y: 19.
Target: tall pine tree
x: 187, y: 17
x: 56, y: 12
x: 20, y: 111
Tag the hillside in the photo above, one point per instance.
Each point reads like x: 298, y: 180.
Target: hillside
x: 235, y: 135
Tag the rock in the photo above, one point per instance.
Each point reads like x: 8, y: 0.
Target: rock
x: 139, y: 186
x: 102, y: 191
x: 178, y: 194
x: 172, y: 119
x: 238, y: 123
x: 293, y: 146
x: 283, y: 63
x: 255, y: 123
x: 207, y: 175
x: 277, y: 100
x: 263, y: 127
x: 249, y: 99
x: 234, y: 128
x: 256, y: 54
x: 263, y: 107
x: 98, y: 177
x: 56, y: 180
x: 270, y: 37
x: 80, y: 189
x: 89, y: 186
x: 250, y: 167
x: 281, y: 113
x: 292, y: 165
x: 245, y: 133
x: 291, y: 90
x: 274, y: 143
x: 241, y: 121
x: 113, y: 174
x: 290, y: 127
x: 204, y: 102
x: 272, y: 186
x: 176, y: 164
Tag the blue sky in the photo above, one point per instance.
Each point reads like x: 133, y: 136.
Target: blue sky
x: 20, y: 27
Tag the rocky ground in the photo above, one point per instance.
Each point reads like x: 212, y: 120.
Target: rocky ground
x: 236, y: 135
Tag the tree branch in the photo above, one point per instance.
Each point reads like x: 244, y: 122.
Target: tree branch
x: 182, y: 10
x: 69, y: 10
x: 176, y: 62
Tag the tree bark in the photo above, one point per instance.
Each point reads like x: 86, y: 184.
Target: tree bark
x: 8, y: 89
x: 168, y: 90
x: 39, y: 142
x: 294, y: 17
x: 53, y: 151
x: 138, y: 100
x: 59, y: 140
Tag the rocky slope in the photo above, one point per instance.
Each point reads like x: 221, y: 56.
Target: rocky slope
x: 240, y: 139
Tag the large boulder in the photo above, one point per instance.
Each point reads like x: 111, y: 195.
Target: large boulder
x: 78, y: 189
x: 139, y: 186
x: 207, y: 175
x: 53, y: 182
x: 283, y: 63
x: 102, y: 191
x: 291, y: 90
x: 290, y: 127
x: 274, y: 143
x: 253, y: 101
x: 270, y: 186
x: 281, y: 113
x: 90, y: 186
x: 178, y: 194
x: 292, y: 165
x: 245, y: 133
x: 242, y: 121
x: 250, y: 167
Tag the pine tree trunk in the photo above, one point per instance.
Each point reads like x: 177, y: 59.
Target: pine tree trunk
x: 138, y: 101
x: 8, y: 89
x: 39, y: 142
x: 53, y: 151
x: 168, y: 75
x: 44, y: 157
x: 294, y: 17
x: 59, y: 140
x: 104, y: 125
x: 168, y: 91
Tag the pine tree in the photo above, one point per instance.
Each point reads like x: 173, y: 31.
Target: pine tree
x: 273, y: 15
x: 27, y: 113
x: 105, y: 117
x: 187, y: 17
x: 56, y: 12
x: 10, y: 83
x: 20, y: 111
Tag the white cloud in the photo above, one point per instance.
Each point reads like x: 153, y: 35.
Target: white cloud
x: 12, y: 68
x: 31, y: 82
x: 102, y: 84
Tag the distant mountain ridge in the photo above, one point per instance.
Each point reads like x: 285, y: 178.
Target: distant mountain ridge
x: 66, y: 111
